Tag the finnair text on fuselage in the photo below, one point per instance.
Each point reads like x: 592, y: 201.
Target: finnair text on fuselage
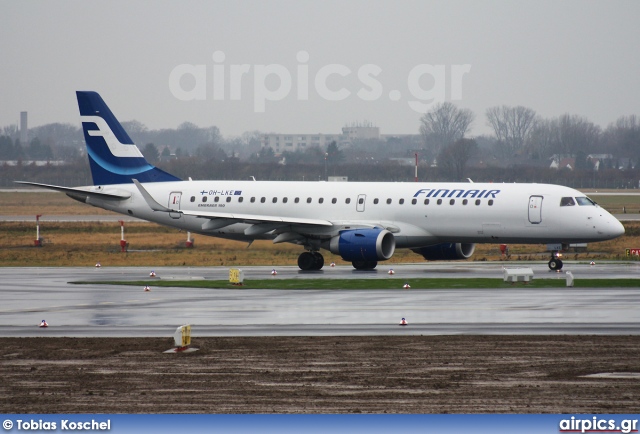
x: 441, y: 192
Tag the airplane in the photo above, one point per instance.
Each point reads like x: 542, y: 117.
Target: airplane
x: 363, y: 222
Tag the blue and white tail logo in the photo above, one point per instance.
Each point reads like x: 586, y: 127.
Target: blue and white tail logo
x: 113, y: 157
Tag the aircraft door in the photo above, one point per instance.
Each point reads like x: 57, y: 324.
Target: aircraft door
x: 535, y: 209
x: 360, y: 202
x: 174, y: 203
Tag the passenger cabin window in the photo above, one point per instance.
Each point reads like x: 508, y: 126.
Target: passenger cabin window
x: 274, y: 200
x: 216, y: 199
x: 375, y: 201
x: 321, y: 200
x: 308, y: 200
x: 452, y: 202
x: 204, y: 198
x: 262, y: 199
x: 426, y: 201
x: 285, y: 200
x: 439, y: 202
x: 490, y: 202
x: 347, y: 201
x: 585, y: 201
x: 477, y: 201
x: 334, y: 200
x: 567, y: 201
x: 193, y: 198
x: 240, y: 199
x: 228, y: 198
x: 465, y: 201
x: 388, y: 201
x: 414, y: 201
x: 253, y: 199
x: 297, y: 200
x: 401, y: 201
x: 361, y: 201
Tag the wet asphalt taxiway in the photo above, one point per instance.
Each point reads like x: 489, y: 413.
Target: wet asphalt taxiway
x: 29, y: 295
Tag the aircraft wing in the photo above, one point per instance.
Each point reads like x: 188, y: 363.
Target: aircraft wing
x: 82, y: 192
x: 284, y: 228
x: 257, y: 218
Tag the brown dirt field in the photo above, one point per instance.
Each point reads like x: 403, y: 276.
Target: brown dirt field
x: 84, y: 244
x: 435, y: 374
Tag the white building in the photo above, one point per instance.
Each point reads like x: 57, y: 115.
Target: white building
x: 299, y: 142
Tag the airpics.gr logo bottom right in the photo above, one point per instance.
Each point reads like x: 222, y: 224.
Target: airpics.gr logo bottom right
x: 596, y: 424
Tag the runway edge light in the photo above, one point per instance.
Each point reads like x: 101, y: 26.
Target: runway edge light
x: 182, y: 341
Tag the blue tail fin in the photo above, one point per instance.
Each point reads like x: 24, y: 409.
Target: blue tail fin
x: 113, y: 157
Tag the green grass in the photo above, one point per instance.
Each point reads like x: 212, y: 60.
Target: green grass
x: 390, y: 283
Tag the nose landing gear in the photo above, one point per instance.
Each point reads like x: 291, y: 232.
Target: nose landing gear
x: 555, y: 263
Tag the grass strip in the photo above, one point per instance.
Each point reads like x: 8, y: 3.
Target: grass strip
x: 356, y: 284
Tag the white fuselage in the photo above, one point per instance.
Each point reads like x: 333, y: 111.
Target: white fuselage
x: 418, y: 214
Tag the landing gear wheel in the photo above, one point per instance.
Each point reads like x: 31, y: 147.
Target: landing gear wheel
x: 555, y: 264
x: 306, y: 261
x: 364, y: 265
x: 319, y: 261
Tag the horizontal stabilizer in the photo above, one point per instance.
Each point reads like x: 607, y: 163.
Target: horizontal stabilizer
x: 82, y: 191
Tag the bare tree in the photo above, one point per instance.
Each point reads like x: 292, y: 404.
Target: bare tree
x: 565, y: 135
x: 512, y: 126
x: 444, y: 125
x: 577, y: 133
x: 623, y: 137
x: 543, y: 140
x: 454, y: 157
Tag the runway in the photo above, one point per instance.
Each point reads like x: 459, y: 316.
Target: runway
x: 31, y: 294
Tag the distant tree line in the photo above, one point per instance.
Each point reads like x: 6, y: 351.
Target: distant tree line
x: 521, y: 140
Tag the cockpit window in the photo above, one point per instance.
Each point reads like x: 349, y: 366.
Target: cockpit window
x: 567, y: 201
x: 585, y: 201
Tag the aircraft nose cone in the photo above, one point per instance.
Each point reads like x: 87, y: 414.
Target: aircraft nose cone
x: 617, y: 229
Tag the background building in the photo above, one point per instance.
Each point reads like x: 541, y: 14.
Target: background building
x: 280, y: 143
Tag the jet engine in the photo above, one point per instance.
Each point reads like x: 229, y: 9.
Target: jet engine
x: 363, y: 245
x: 446, y: 251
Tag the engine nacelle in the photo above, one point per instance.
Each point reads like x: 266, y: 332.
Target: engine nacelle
x: 363, y: 245
x: 447, y: 251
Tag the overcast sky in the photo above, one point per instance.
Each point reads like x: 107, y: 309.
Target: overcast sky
x: 146, y: 60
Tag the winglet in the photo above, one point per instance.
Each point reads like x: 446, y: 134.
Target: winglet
x: 150, y: 200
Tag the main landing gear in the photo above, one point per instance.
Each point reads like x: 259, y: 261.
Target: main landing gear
x: 555, y: 263
x: 364, y: 265
x: 308, y: 261
x: 314, y: 261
